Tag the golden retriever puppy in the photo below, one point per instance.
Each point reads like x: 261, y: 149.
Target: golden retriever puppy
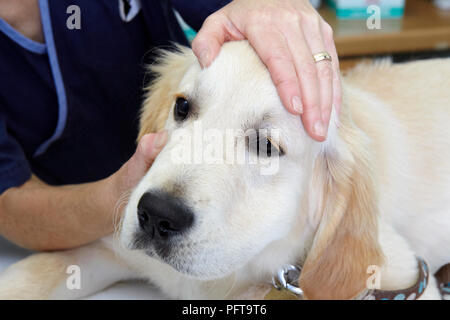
x: 240, y: 190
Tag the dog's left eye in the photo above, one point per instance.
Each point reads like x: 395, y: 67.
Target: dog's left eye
x: 181, y: 110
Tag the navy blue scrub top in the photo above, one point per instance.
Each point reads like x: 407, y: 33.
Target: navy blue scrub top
x: 69, y: 107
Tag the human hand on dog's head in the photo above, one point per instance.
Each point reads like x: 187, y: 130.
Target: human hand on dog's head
x: 285, y: 34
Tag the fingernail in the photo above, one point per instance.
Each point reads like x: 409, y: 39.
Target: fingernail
x: 160, y: 140
x: 204, y: 55
x: 297, y: 105
x: 319, y: 129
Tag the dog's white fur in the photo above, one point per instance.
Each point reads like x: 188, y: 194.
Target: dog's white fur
x: 377, y: 192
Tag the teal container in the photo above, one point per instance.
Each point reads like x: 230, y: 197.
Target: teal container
x: 361, y: 9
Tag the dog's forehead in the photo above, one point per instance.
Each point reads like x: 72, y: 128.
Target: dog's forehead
x: 236, y: 80
x: 238, y: 66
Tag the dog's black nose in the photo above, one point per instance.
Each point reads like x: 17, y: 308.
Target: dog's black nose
x: 162, y: 216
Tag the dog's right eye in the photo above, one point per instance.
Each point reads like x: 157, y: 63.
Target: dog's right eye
x: 181, y: 110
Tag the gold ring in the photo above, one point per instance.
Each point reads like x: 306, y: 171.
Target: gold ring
x: 322, y: 56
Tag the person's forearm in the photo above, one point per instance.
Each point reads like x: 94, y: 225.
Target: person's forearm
x: 42, y: 217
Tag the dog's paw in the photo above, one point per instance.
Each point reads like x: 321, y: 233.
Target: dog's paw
x: 33, y: 278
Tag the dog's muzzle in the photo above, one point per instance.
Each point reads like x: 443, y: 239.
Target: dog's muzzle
x: 162, y: 218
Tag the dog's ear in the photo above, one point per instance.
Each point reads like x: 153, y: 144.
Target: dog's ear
x: 168, y: 70
x: 346, y: 241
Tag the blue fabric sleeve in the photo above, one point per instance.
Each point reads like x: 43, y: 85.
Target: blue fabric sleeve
x: 194, y: 12
x: 14, y: 167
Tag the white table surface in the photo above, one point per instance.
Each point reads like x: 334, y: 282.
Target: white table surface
x: 10, y: 253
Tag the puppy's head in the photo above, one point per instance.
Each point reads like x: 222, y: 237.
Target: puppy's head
x: 233, y: 185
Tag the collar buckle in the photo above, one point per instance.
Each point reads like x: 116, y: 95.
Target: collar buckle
x: 285, y: 277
